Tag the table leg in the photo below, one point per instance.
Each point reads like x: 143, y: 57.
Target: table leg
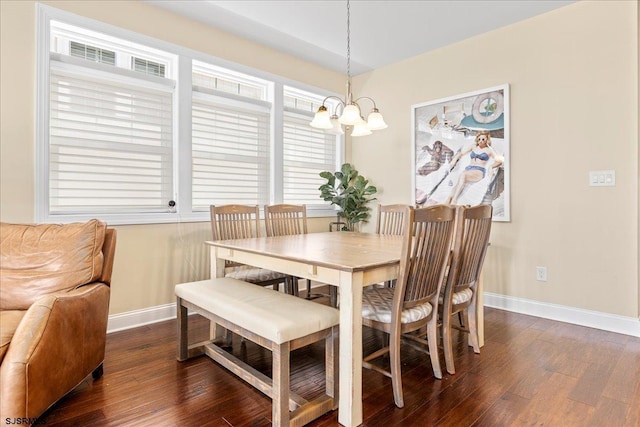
x: 350, y: 401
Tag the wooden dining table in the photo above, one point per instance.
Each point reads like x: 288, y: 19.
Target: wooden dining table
x: 347, y: 260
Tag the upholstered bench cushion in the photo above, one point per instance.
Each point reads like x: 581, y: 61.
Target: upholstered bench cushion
x: 273, y: 315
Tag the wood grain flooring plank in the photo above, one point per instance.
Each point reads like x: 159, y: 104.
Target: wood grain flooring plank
x: 503, y: 412
x: 591, y: 383
x: 550, y: 397
x: 608, y: 412
x: 625, y: 377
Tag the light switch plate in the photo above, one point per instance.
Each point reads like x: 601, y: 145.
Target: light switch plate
x: 606, y: 178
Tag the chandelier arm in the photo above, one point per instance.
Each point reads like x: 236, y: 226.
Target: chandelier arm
x: 340, y: 101
x: 375, y: 107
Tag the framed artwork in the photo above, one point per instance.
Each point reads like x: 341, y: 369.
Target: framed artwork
x: 461, y: 150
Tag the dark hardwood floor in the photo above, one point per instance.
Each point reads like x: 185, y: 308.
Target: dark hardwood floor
x: 531, y: 372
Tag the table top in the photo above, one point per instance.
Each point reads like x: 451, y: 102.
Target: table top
x: 343, y: 250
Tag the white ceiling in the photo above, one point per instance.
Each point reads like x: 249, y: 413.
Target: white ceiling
x: 382, y: 31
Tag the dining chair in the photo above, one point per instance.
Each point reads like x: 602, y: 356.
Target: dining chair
x: 459, y: 296
x: 286, y: 220
x: 241, y: 222
x: 412, y: 304
x: 390, y: 220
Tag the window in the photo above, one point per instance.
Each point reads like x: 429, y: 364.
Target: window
x: 147, y: 67
x: 307, y: 151
x: 110, y: 131
x: 230, y: 139
x: 92, y: 53
x: 124, y: 134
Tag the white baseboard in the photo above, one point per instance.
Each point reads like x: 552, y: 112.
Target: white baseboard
x: 593, y: 319
x: 133, y: 319
x: 577, y: 316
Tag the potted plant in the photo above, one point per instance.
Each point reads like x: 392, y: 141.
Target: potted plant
x: 350, y: 191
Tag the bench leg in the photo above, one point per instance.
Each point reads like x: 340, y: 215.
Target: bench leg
x: 331, y: 366
x: 183, y: 334
x: 280, y: 385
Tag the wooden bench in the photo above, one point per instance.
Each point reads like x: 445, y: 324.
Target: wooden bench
x: 274, y: 320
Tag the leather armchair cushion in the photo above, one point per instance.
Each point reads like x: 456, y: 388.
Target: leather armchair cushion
x: 36, y: 260
x: 9, y: 321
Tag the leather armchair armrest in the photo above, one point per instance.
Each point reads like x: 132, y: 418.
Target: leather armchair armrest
x: 60, y: 341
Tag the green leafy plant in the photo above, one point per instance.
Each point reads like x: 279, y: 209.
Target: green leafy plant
x: 350, y: 191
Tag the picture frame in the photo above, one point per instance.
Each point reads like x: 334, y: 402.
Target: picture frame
x: 461, y: 147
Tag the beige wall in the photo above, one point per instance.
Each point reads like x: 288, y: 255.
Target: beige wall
x: 150, y: 259
x: 573, y: 76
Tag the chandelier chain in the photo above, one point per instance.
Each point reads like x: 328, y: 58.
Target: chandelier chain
x: 348, y: 41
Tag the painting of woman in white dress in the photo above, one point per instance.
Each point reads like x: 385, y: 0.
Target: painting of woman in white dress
x: 461, y: 151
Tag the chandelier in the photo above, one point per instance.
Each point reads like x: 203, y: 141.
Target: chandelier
x: 351, y: 112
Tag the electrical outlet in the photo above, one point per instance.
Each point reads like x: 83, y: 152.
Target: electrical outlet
x: 541, y: 274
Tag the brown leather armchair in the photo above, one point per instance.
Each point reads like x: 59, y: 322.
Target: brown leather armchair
x: 54, y: 306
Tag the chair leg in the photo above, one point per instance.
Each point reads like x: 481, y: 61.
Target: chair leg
x: 472, y: 325
x: 294, y: 286
x: 446, y: 342
x: 308, y: 289
x: 333, y: 296
x: 432, y: 336
x: 291, y: 285
x: 396, y: 374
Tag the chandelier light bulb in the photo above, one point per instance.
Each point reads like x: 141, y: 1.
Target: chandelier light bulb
x: 337, y: 127
x: 361, y: 129
x: 350, y: 115
x: 322, y: 119
x: 375, y: 120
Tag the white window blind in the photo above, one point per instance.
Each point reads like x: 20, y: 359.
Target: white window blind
x: 110, y: 141
x: 230, y: 151
x: 306, y: 152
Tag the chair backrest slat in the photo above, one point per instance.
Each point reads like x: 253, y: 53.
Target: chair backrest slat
x: 285, y: 220
x: 426, y: 249
x: 474, y: 227
x: 234, y: 222
x: 391, y: 219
